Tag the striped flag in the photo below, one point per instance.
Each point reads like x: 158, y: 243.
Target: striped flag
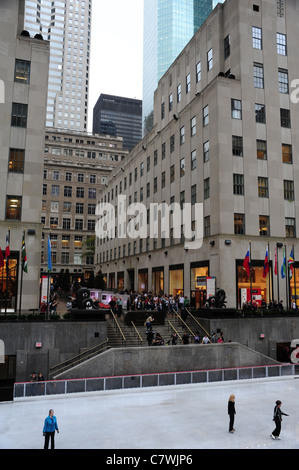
x: 24, y: 255
x: 266, y: 265
x: 283, y: 266
x: 246, y: 262
x: 275, y: 262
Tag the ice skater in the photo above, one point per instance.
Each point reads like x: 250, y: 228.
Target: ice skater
x: 277, y: 418
x: 49, y: 429
x: 231, y: 412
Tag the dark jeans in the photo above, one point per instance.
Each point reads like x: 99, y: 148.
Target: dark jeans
x: 231, y: 421
x: 277, y: 430
x: 48, y: 436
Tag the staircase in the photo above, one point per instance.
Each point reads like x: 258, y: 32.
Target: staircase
x: 123, y: 335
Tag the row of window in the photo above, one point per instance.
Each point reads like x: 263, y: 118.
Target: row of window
x: 81, y: 153
x: 67, y: 259
x: 67, y: 207
x: 68, y: 191
x: 264, y: 226
x: 263, y: 187
x: 67, y: 224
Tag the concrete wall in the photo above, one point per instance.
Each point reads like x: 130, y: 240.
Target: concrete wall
x: 60, y: 341
x: 129, y: 361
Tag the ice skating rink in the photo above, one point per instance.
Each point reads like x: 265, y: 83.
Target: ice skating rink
x: 169, y: 417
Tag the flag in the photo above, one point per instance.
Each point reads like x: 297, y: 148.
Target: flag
x: 291, y: 264
x: 1, y: 259
x: 7, y: 249
x: 24, y: 255
x: 266, y: 265
x: 246, y: 262
x: 49, y: 255
x: 283, y: 266
x: 275, y: 262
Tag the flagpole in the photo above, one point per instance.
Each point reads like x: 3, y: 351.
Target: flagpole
x: 21, y: 286
x: 287, y: 279
x: 294, y: 273
x: 269, y: 282
x: 250, y: 277
x: 7, y: 267
x: 277, y: 274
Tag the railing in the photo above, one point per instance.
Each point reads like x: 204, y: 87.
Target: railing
x: 137, y: 332
x: 174, y: 329
x: 79, y: 358
x: 118, y: 327
x: 184, y: 323
x: 197, y: 322
x: 96, y: 384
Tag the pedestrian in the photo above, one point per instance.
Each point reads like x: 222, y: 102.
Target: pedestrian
x: 185, y: 338
x: 149, y: 330
x: 50, y: 426
x: 205, y: 340
x: 40, y: 377
x: 231, y: 412
x: 277, y: 418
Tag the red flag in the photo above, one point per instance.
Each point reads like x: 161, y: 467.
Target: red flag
x: 266, y: 265
x: 7, y: 249
x: 246, y: 262
x: 275, y: 262
x: 1, y: 259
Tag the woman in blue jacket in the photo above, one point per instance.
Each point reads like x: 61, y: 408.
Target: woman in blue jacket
x: 50, y: 427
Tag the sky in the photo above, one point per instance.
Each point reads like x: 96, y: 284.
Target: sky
x: 116, y: 50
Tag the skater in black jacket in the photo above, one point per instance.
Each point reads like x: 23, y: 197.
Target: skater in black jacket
x: 277, y: 418
x: 231, y: 412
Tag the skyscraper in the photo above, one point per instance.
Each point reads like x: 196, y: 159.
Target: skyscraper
x: 168, y: 26
x: 67, y: 25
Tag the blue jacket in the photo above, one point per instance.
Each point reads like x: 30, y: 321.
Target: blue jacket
x: 50, y: 424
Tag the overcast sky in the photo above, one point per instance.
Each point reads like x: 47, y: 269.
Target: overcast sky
x: 116, y: 50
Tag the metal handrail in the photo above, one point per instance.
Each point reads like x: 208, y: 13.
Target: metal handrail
x: 91, y: 352
x: 196, y: 321
x: 175, y: 330
x: 118, y: 325
x: 185, y: 324
x: 136, y: 330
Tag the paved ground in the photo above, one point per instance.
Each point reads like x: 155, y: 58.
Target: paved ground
x: 171, y: 417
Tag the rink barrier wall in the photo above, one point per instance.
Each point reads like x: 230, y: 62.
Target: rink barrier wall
x: 95, y: 384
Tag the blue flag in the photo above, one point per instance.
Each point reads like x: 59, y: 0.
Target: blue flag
x: 49, y: 255
x: 283, y: 266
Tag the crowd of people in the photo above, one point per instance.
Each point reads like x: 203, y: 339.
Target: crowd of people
x: 153, y: 302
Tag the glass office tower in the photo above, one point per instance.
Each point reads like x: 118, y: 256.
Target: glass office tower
x: 168, y: 26
x: 67, y: 25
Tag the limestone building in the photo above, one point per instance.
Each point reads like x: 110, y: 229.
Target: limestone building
x: 76, y: 165
x: 24, y: 65
x: 225, y: 136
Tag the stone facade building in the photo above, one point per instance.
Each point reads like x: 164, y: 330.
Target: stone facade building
x: 225, y: 137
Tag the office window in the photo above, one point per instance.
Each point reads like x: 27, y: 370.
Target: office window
x: 163, y: 154
x: 163, y: 179
x: 288, y: 190
x: 206, y: 192
x: 80, y: 178
x: 53, y: 222
x: 92, y: 179
x: 80, y: 192
x: 239, y: 224
x: 56, y: 175
x: 193, y: 126
x: 260, y: 113
x: 227, y: 47
x: 91, y: 209
x: 287, y: 156
x: 236, y: 109
x: 172, y: 174
x: 135, y: 175
x: 22, y: 71
x: 290, y: 227
x: 283, y: 81
x: 19, y: 115
x: 163, y: 110
x: 79, y: 208
x: 66, y: 224
x: 238, y: 184
x: 45, y: 187
x: 91, y: 225
x: 188, y: 83
x: 55, y: 190
x: 182, y: 135
x: 141, y: 169
x: 182, y: 199
x: 198, y: 72
x: 78, y: 224
x: 257, y: 41
x: 68, y: 176
x: 207, y: 226
x: 285, y: 118
x: 172, y: 143
x: 179, y: 93
x: 67, y: 191
x: 210, y: 59
x: 170, y: 102
x: 155, y: 185
x: 182, y: 167
x: 16, y: 160
x: 13, y: 207
x: 205, y: 116
x: 65, y: 257
x: 263, y: 190
x: 206, y: 151
x: 237, y: 146
x: 264, y: 226
x: 258, y: 75
x: 261, y: 149
x: 193, y: 160
x: 281, y: 44
x: 148, y: 189
x: 193, y: 194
